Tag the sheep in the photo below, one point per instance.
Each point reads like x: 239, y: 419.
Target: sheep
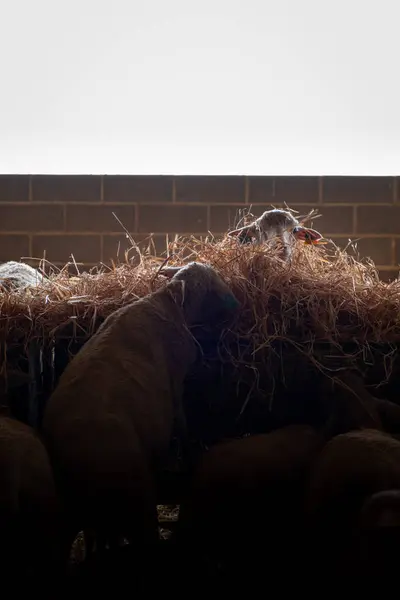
x: 381, y: 510
x: 274, y: 226
x: 108, y: 423
x: 30, y: 511
x: 351, y: 406
x: 19, y: 275
x: 379, y: 537
x: 245, y: 494
x: 350, y: 469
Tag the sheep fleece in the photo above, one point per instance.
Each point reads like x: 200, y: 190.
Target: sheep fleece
x: 109, y: 421
x: 28, y: 500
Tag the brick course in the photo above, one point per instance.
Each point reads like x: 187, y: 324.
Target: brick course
x: 163, y: 218
x: 58, y: 249
x: 30, y: 218
x: 280, y: 189
x: 14, y: 188
x: 361, y: 190
x: 13, y: 247
x: 209, y: 190
x: 100, y: 218
x: 139, y: 188
x: 72, y: 214
x: 66, y: 188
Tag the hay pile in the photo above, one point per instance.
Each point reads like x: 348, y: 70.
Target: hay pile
x: 323, y: 298
x: 323, y: 312
x: 324, y: 294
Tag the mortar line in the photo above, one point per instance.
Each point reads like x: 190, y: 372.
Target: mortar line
x: 173, y: 189
x: 246, y: 189
x: 102, y: 189
x: 30, y: 189
x: 355, y: 219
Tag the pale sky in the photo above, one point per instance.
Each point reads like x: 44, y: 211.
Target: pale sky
x: 291, y: 87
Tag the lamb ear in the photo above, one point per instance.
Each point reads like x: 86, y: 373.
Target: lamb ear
x: 170, y: 271
x: 308, y: 234
x: 316, y: 234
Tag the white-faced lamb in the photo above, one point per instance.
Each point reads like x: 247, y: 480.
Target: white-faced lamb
x: 277, y: 227
x: 108, y: 423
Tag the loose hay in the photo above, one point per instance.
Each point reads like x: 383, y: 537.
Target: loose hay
x: 321, y: 303
x: 319, y: 296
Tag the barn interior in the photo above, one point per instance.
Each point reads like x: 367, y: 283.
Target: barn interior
x: 313, y: 347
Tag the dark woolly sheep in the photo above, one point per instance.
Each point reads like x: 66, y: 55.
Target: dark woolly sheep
x: 378, y: 545
x: 29, y: 508
x: 108, y: 423
x: 243, y: 507
x: 381, y: 510
x: 351, y: 406
x: 351, y: 467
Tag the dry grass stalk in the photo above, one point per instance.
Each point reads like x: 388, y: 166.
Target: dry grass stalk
x: 322, y: 295
x: 330, y: 295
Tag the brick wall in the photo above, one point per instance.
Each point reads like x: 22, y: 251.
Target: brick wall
x: 73, y: 214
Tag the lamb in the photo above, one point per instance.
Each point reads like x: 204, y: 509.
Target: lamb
x: 29, y: 507
x: 277, y: 226
x: 108, y: 423
x: 19, y: 275
x: 351, y: 468
x: 246, y: 491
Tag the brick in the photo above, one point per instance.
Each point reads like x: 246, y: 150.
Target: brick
x: 379, y: 249
x: 14, y: 188
x: 224, y: 218
x: 341, y: 241
x: 333, y: 220
x: 137, y: 188
x: 13, y: 247
x: 93, y: 218
x: 210, y: 189
x: 115, y: 246
x: 261, y: 189
x: 388, y: 275
x: 279, y: 190
x: 159, y: 219
x: 379, y: 220
x: 358, y: 189
x: 58, y: 248
x: 30, y: 217
x: 66, y: 188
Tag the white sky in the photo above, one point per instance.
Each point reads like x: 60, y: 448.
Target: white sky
x: 295, y: 87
